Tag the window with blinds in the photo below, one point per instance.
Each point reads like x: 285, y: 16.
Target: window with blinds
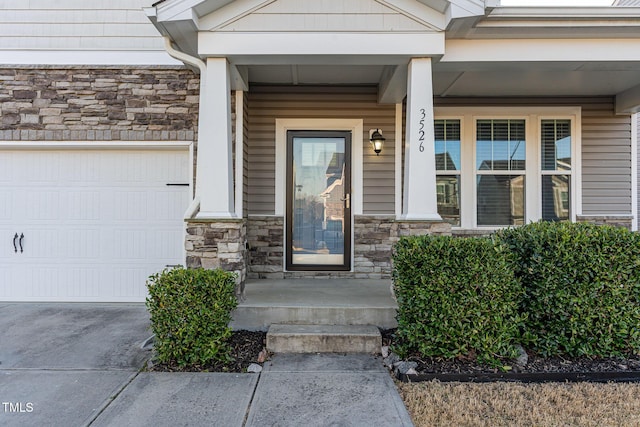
x: 503, y: 166
x: 448, y: 166
x: 500, y: 172
x: 555, y: 146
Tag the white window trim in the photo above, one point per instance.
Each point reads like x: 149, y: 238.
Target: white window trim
x: 533, y: 116
x: 634, y: 170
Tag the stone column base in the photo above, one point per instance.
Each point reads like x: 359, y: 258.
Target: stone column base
x: 218, y: 243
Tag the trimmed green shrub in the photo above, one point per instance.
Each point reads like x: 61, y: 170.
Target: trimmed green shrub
x: 582, y: 287
x: 190, y: 313
x: 456, y: 297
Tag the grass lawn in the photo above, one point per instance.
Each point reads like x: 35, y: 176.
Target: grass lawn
x: 512, y: 404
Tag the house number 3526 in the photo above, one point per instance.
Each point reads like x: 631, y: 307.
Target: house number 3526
x: 423, y: 115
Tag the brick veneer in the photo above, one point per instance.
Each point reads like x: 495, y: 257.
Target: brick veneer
x: 98, y: 104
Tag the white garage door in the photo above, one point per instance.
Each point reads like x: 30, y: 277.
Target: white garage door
x: 89, y: 225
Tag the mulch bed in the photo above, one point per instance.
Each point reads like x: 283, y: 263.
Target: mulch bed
x: 245, y: 348
x: 538, y: 369
x: 247, y: 345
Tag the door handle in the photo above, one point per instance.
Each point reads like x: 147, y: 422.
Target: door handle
x: 347, y: 200
x: 15, y: 247
x: 20, y: 241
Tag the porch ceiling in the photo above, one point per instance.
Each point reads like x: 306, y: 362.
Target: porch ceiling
x: 473, y: 79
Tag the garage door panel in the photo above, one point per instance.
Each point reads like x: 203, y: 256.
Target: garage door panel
x: 81, y: 205
x: 96, y: 223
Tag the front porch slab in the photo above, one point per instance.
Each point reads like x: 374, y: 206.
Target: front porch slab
x: 316, y: 302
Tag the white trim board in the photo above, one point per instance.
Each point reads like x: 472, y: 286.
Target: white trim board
x: 94, y: 145
x: 635, y: 122
x: 87, y: 57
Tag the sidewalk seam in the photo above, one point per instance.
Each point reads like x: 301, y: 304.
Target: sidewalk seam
x: 253, y: 394
x: 111, y: 398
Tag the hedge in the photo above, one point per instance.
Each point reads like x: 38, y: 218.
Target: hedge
x: 190, y: 313
x: 581, y: 287
x: 456, y: 297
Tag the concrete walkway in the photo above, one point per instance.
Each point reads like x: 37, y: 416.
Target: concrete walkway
x: 79, y: 364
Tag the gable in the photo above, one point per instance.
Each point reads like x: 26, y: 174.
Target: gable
x: 327, y: 16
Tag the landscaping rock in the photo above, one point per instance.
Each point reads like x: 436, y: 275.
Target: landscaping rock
x: 523, y: 357
x: 385, y: 351
x: 254, y: 368
x: 404, y: 367
x: 390, y: 360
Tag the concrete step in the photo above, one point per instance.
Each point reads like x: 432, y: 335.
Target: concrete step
x: 324, y: 339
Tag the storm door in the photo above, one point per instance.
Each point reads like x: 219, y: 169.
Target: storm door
x: 318, y: 200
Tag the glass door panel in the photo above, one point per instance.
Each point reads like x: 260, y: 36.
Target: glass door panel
x: 318, y: 201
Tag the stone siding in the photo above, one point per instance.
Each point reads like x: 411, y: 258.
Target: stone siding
x: 98, y: 104
x: 615, y: 220
x: 218, y: 244
x: 374, y: 239
x: 266, y: 250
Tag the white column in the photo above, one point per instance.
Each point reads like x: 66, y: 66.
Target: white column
x: 214, y: 174
x: 420, y: 199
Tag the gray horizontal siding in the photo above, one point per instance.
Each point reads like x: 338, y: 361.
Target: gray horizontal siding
x: 606, y: 148
x: 606, y: 159
x: 77, y: 25
x: 267, y: 104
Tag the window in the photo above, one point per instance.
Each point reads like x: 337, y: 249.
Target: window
x: 556, y: 169
x: 500, y: 172
x: 498, y: 167
x: 447, y: 140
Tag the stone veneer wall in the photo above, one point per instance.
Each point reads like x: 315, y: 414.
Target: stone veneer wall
x: 265, y: 238
x: 615, y: 220
x: 98, y: 104
x: 218, y: 244
x: 374, y: 237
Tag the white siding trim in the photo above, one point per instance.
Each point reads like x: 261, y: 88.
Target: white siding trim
x: 634, y: 171
x: 86, y: 57
x: 94, y: 145
x: 316, y: 47
x: 398, y: 160
x: 239, y: 145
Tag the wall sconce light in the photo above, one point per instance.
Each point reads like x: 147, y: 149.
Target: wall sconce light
x: 377, y: 140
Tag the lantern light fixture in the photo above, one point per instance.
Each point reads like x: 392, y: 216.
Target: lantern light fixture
x: 377, y: 140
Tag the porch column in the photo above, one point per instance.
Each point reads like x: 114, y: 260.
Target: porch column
x: 420, y: 199
x: 214, y: 174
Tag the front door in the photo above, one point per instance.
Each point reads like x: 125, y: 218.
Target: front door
x: 318, y: 200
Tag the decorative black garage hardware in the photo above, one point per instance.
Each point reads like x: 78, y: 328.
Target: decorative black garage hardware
x: 15, y: 247
x: 20, y: 241
x: 177, y: 185
x: 173, y: 265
